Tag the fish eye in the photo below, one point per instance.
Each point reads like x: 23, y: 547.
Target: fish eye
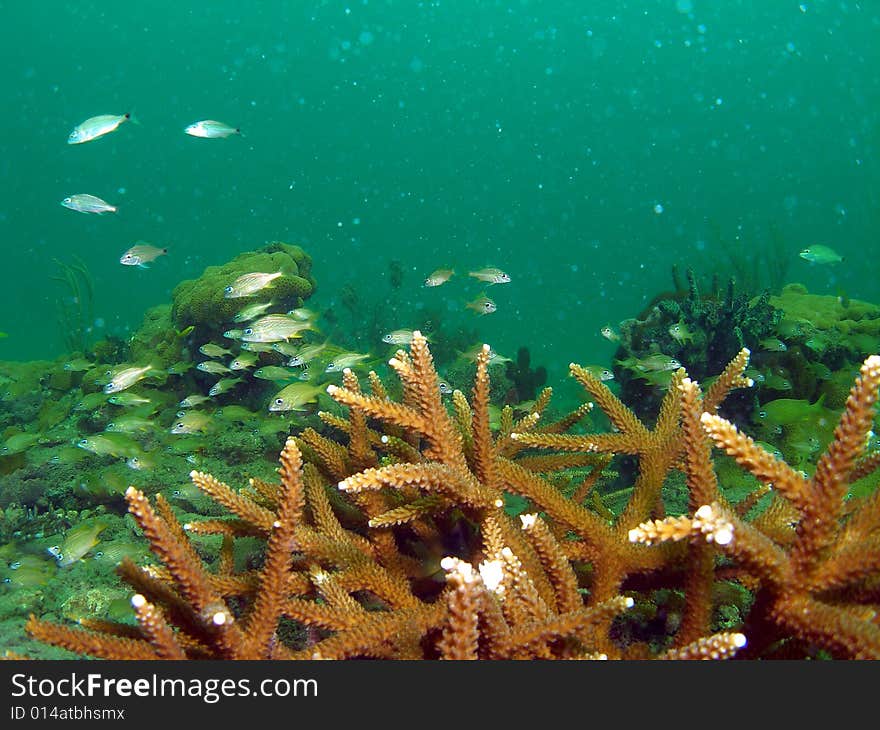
x: 180, y: 414
x: 762, y: 414
x: 179, y: 424
x: 249, y: 331
x: 135, y: 460
x: 83, y: 442
x: 99, y: 554
x: 175, y: 493
x: 487, y: 305
x: 279, y: 401
x: 228, y: 290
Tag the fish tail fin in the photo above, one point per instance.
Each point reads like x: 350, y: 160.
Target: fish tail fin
x: 240, y: 133
x: 132, y: 118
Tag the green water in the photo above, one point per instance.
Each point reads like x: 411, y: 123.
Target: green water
x: 585, y: 148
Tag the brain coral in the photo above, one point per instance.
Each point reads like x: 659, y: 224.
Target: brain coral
x: 201, y: 302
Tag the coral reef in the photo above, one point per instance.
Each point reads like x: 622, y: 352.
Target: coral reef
x: 399, y: 544
x: 702, y: 331
x: 201, y: 303
x: 156, y: 341
x: 526, y: 380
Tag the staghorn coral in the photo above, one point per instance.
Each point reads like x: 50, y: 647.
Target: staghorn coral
x: 818, y: 584
x: 394, y: 543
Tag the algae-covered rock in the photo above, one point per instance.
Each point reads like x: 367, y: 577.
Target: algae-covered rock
x: 827, y: 337
x: 157, y: 341
x: 823, y: 313
x: 202, y: 304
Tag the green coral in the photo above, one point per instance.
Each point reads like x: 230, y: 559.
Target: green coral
x: 157, y: 340
x: 201, y: 303
x: 827, y: 312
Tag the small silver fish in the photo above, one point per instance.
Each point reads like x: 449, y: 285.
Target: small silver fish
x: 244, y: 361
x: 597, y: 371
x: 438, y: 277
x: 303, y: 314
x: 140, y: 463
x: 85, y: 203
x: 344, y: 360
x: 126, y: 399
x: 223, y: 386
x: 126, y: 378
x: 773, y: 344
x: 141, y: 254
x: 251, y: 312
x: 213, y: 350
x: 398, y: 337
x: 482, y: 305
x: 818, y: 254
x: 213, y: 367
x: 192, y: 400
x: 274, y: 372
x: 306, y: 354
x: 491, y: 275
x: 256, y: 347
x: 95, y: 127
x: 78, y: 365
x: 78, y: 541
x: 274, y: 328
x: 295, y: 396
x: 210, y: 129
x: 192, y: 422
x: 251, y: 283
x: 680, y: 333
x: 609, y: 333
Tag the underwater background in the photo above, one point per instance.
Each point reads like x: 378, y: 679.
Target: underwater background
x: 539, y: 137
x: 602, y: 154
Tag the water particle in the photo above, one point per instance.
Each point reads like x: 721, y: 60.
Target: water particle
x: 658, y: 208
